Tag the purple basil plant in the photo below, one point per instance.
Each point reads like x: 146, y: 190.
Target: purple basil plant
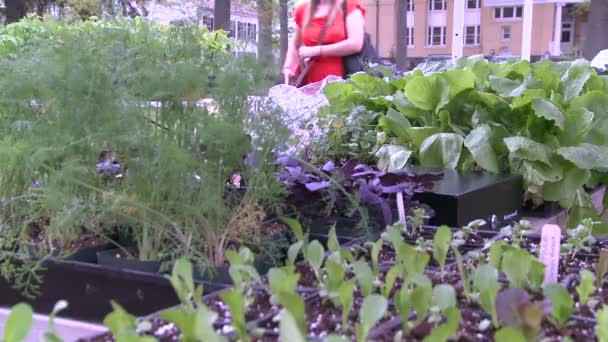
x: 374, y: 187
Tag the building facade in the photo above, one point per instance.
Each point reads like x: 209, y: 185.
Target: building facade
x: 491, y: 27
x: 243, y: 18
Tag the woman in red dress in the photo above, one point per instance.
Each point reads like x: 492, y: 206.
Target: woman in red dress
x: 326, y: 59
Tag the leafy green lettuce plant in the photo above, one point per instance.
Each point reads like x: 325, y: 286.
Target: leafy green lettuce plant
x: 542, y: 120
x: 586, y: 287
x: 372, y: 310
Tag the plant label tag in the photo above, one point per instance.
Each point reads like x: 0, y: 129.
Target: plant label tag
x: 549, y: 252
x: 401, y: 208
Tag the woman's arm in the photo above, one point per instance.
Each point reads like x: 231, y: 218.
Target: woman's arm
x: 291, y: 57
x: 355, y: 27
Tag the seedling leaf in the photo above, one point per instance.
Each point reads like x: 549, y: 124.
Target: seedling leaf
x: 441, y: 245
x: 18, y: 323
x: 562, y: 303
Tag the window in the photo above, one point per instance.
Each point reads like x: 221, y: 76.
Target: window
x: 410, y: 5
x: 471, y: 35
x: 506, y: 33
x: 436, y: 36
x: 252, y: 32
x: 208, y: 21
x: 232, y: 33
x: 409, y: 36
x: 508, y: 12
x: 566, y: 33
x: 241, y: 32
x: 472, y: 4
x: 437, y: 5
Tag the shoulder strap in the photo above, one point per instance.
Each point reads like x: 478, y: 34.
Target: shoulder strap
x: 344, y: 15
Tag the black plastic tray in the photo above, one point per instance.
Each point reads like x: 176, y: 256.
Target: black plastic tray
x: 90, y: 288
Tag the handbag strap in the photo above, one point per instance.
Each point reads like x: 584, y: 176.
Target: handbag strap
x: 304, y: 68
x: 344, y: 15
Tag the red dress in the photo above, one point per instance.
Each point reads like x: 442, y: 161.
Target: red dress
x: 324, y: 66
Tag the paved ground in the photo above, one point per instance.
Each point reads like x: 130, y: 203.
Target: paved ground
x: 69, y: 330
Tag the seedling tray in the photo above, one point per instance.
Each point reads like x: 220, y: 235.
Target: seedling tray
x: 90, y: 288
x: 461, y: 197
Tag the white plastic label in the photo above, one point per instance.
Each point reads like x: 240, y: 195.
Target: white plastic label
x: 549, y: 252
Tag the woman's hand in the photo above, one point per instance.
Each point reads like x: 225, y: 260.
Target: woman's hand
x: 287, y: 73
x: 309, y: 51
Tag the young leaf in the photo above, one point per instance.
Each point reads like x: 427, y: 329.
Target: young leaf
x: 283, y: 280
x: 496, y: 252
x: 536, y: 276
x: 345, y: 295
x: 295, y: 304
x: 293, y: 251
x: 333, y: 245
x: 464, y: 273
x: 389, y: 280
x: 315, y: 254
x: 602, y: 268
x: 236, y: 303
x: 335, y: 273
x: 403, y: 303
x: 586, y: 287
x: 364, y: 276
x: 18, y: 323
x: 601, y: 326
x: 295, y: 226
x: 376, y: 247
x: 444, y: 296
x: 421, y: 300
x: 563, y: 305
x: 183, y: 281
x: 516, y: 265
x: 288, y: 328
x: 119, y: 320
x: 509, y: 334
x: 441, y: 245
x: 372, y: 310
x: 486, y: 282
x: 203, y: 326
x: 448, y: 330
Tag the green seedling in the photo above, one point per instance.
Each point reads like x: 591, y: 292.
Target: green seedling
x: 18, y: 323
x: 282, y: 280
x: 242, y: 272
x: 464, y: 274
x: 448, y: 330
x: 601, y: 269
x: 372, y: 310
x: 562, y: 303
x: 421, y: 297
x: 586, y: 288
x: 509, y: 334
x: 193, y: 318
x: 346, y: 298
x: 123, y: 326
x: 516, y: 264
x: 237, y: 306
x: 288, y: 328
x: 365, y: 277
x: 393, y: 236
x: 333, y: 245
x: 441, y: 245
x: 52, y: 335
x: 301, y: 245
x: 580, y: 238
x: 487, y: 285
x: 403, y: 304
x: 416, y: 221
x: 412, y: 261
x: 462, y: 235
x: 496, y: 252
x: 315, y: 253
x: 389, y: 279
x: 335, y: 271
x: 375, y: 256
x: 517, y: 232
x: 601, y: 325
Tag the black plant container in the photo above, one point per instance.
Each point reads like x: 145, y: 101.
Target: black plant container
x: 109, y: 258
x: 461, y: 197
x: 89, y: 254
x: 90, y: 288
